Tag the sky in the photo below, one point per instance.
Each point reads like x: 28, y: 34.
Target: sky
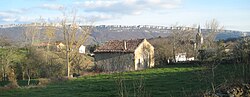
x: 232, y: 14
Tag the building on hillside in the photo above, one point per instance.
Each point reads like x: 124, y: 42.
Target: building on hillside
x: 41, y: 45
x: 124, y: 55
x: 181, y: 57
x: 59, y: 45
x: 82, y: 49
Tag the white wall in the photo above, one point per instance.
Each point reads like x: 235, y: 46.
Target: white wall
x: 82, y: 49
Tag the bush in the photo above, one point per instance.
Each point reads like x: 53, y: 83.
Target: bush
x: 43, y: 81
x: 234, y: 89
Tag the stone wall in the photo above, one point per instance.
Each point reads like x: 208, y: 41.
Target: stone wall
x: 114, y: 62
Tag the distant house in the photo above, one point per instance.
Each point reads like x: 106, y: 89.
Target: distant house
x: 41, y: 45
x: 125, y: 55
x: 82, y: 49
x: 59, y: 45
x: 181, y: 57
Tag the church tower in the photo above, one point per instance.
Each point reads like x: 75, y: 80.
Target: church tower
x: 199, y: 38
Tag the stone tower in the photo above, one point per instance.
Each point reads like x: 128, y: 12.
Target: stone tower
x: 199, y: 38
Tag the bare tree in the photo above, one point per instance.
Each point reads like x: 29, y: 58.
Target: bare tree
x: 7, y: 57
x: 175, y: 36
x: 188, y: 41
x: 163, y: 50
x: 50, y: 33
x: 213, y: 29
x: 30, y: 34
x: 181, y: 40
x: 74, y: 36
x: 212, y: 50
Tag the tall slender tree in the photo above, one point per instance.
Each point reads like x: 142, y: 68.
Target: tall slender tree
x: 74, y: 36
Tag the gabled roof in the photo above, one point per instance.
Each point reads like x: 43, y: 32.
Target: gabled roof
x: 119, y: 46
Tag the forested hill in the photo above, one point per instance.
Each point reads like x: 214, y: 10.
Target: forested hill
x: 104, y: 33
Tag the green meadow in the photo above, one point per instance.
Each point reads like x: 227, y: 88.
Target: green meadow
x: 170, y: 81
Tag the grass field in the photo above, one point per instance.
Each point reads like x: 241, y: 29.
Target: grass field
x: 171, y: 81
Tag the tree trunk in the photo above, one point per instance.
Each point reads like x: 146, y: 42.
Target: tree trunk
x: 23, y: 74
x: 67, y: 60
x: 28, y: 74
x: 68, y: 64
x: 174, y: 53
x: 4, y: 74
x: 12, y: 78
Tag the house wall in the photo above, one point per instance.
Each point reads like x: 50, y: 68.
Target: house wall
x: 181, y: 57
x: 144, y: 56
x: 112, y: 62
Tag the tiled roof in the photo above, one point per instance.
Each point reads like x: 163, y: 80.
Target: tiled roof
x: 119, y: 46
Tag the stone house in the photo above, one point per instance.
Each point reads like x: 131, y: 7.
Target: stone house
x: 124, y: 55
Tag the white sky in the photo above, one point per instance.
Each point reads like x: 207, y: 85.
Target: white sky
x: 232, y: 14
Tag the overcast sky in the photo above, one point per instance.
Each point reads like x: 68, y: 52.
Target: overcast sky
x: 232, y: 14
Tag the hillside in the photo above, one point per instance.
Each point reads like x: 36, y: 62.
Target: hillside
x: 104, y: 33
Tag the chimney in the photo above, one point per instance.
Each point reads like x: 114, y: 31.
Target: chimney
x: 125, y: 44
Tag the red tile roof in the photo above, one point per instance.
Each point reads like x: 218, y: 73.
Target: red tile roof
x: 118, y: 46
